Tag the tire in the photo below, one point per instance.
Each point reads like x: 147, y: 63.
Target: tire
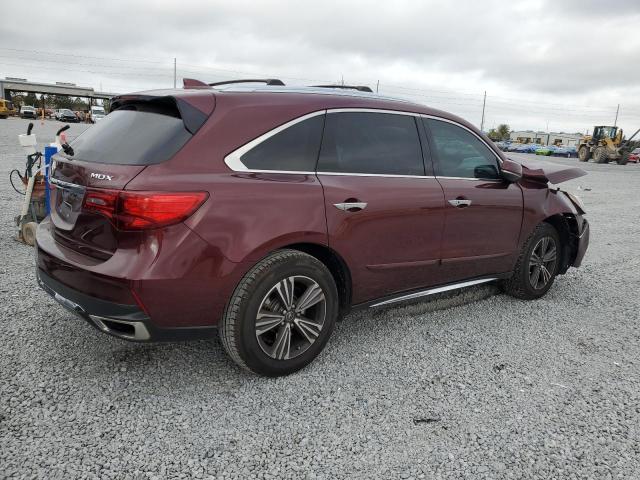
x: 584, y: 154
x: 521, y: 284
x: 624, y: 159
x: 600, y: 155
x: 265, y: 288
x: 28, y: 232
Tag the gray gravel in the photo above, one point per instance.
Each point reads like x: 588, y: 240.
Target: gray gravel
x: 478, y: 385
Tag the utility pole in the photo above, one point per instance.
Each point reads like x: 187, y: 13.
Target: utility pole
x: 484, y: 102
x: 174, y: 72
x: 377, y: 85
x: 616, y: 121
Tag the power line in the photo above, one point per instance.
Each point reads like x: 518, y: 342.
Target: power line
x: 82, y: 56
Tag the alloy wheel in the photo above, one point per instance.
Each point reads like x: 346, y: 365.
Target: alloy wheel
x: 542, y: 263
x: 291, y: 317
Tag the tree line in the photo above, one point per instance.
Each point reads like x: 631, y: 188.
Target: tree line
x: 502, y: 132
x: 51, y: 101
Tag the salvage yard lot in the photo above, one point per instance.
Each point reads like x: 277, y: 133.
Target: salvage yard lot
x: 474, y: 385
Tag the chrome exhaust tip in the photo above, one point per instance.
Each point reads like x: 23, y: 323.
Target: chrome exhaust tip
x: 121, y: 328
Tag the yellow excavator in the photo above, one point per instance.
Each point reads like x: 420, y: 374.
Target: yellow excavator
x: 605, y: 144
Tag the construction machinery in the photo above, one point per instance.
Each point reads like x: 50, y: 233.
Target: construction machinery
x: 606, y: 144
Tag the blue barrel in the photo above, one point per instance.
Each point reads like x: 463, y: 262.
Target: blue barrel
x: 48, y: 153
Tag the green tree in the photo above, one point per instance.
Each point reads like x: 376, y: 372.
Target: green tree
x: 503, y: 131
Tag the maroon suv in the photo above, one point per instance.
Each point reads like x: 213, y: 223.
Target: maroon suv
x: 265, y: 213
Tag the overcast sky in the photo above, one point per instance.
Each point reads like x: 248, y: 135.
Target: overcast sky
x: 563, y: 63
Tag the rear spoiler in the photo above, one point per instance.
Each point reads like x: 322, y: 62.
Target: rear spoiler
x: 194, y: 109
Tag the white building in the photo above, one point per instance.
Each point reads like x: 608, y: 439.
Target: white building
x: 546, y: 138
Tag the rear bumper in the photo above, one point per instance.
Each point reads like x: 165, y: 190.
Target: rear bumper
x: 123, y: 321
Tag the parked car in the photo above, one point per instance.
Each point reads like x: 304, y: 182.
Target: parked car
x: 568, y: 152
x: 546, y: 150
x: 27, y: 111
x: 634, y: 156
x: 97, y: 113
x: 266, y: 214
x: 502, y: 145
x: 66, y: 115
x: 512, y: 147
x: 527, y: 148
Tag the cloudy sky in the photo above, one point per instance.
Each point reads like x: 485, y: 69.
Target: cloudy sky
x: 562, y: 64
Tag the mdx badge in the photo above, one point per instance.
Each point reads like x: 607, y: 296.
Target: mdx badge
x: 101, y: 176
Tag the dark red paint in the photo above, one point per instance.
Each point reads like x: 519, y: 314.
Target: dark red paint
x: 182, y: 275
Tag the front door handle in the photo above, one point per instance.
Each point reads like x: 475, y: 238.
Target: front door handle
x: 351, y: 206
x: 459, y: 203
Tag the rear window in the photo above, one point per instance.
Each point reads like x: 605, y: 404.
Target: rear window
x: 131, y: 137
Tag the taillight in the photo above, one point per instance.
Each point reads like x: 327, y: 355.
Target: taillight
x: 143, y: 210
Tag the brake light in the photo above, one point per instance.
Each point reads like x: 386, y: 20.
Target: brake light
x: 143, y: 210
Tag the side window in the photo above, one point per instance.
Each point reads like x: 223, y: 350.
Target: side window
x: 460, y: 153
x: 293, y: 149
x: 374, y: 143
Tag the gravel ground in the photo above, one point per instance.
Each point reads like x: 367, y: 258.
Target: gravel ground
x: 477, y: 385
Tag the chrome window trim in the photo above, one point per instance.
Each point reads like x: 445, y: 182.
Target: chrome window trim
x: 473, y: 179
x: 343, y: 174
x: 233, y: 159
x: 372, y: 110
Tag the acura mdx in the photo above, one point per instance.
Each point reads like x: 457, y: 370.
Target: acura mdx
x: 265, y: 213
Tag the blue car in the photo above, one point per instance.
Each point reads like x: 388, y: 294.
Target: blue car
x: 527, y: 148
x: 565, y: 152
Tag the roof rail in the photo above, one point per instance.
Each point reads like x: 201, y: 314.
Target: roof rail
x: 360, y: 88
x: 268, y: 81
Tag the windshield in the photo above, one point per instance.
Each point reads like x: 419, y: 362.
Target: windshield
x: 606, y: 132
x: 98, y: 111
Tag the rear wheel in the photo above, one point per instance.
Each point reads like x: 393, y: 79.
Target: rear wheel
x: 584, y: 154
x: 537, y: 265
x: 281, y: 315
x: 624, y: 159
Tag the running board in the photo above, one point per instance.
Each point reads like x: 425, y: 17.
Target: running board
x: 433, y: 291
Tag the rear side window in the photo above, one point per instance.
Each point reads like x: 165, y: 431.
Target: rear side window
x: 460, y: 153
x: 372, y: 143
x: 294, y: 149
x: 131, y: 137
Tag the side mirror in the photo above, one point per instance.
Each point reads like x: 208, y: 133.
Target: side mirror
x: 511, y: 171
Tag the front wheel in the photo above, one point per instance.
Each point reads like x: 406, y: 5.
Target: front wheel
x: 584, y: 154
x: 537, y: 265
x: 281, y: 314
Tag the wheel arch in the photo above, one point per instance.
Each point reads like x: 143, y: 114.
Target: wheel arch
x: 337, y: 267
x: 566, y: 224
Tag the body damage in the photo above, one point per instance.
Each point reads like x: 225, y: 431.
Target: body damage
x: 547, y: 172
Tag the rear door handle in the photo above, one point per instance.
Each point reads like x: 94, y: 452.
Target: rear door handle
x: 351, y: 206
x: 458, y: 203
